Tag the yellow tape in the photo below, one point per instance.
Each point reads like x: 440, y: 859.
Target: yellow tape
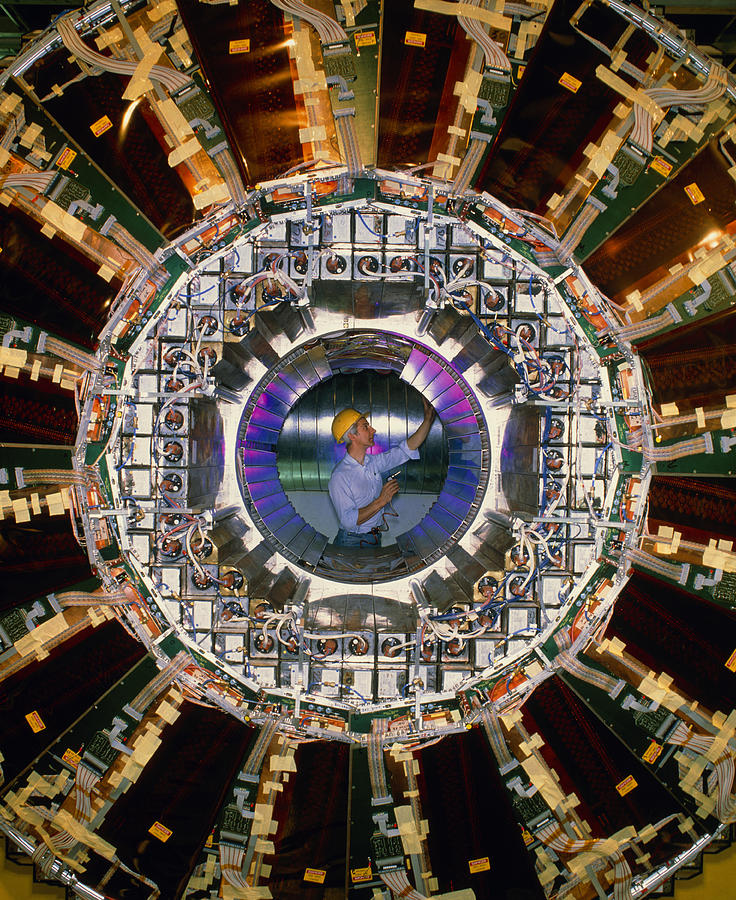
x: 408, y: 830
x: 157, y: 12
x: 541, y: 777
x: 282, y: 764
x: 41, y: 634
x: 527, y: 37
x: 702, y: 270
x: 444, y: 7
x: 111, y: 36
x: 184, y: 151
x: 216, y: 194
x: 66, y: 822
x: 62, y: 221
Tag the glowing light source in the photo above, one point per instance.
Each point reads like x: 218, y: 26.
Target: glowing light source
x: 128, y: 116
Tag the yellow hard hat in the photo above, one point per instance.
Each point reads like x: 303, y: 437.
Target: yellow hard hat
x: 342, y: 422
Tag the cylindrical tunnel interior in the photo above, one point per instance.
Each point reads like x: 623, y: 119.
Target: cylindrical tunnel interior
x: 307, y: 452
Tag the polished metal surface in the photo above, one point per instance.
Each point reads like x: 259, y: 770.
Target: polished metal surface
x: 307, y: 453
x: 457, y: 460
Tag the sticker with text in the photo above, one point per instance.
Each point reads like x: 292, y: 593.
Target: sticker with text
x: 694, y: 193
x: 66, y: 158
x: 72, y: 758
x: 365, y: 38
x: 316, y: 876
x: 35, y: 721
x: 626, y: 786
x: 101, y: 126
x: 661, y: 166
x: 160, y: 831
x: 240, y: 46
x: 358, y: 875
x: 570, y: 82
x: 731, y: 662
x: 479, y: 865
x: 415, y: 39
x: 652, y: 753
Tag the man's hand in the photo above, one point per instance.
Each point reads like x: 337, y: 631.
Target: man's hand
x: 429, y: 411
x: 419, y: 436
x: 388, y: 491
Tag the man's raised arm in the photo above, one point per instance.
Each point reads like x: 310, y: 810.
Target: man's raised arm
x: 419, y: 436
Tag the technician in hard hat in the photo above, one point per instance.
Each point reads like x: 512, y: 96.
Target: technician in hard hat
x: 356, y: 487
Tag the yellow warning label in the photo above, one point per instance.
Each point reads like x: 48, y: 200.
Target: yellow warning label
x: 415, y: 39
x: 365, y: 38
x: 694, y: 193
x: 239, y: 46
x: 731, y: 662
x: 210, y: 840
x: 661, y: 165
x: 317, y: 876
x: 361, y: 874
x: 626, y: 786
x: 66, y: 158
x: 527, y: 837
x: 479, y: 865
x: 101, y: 126
x: 71, y: 757
x: 570, y: 82
x: 35, y: 721
x: 652, y: 753
x: 160, y: 831
x: 520, y: 71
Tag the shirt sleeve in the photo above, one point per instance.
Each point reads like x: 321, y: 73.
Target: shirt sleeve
x: 394, y: 457
x: 342, y: 500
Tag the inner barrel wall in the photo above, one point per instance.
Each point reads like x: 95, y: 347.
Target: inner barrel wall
x: 307, y: 452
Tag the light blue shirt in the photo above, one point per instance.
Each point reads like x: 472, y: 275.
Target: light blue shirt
x: 353, y: 486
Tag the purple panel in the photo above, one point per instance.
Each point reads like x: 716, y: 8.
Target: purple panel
x: 452, y: 395
x: 266, y: 506
x: 456, y: 411
x: 464, y: 476
x: 261, y: 435
x: 457, y: 497
x: 259, y: 489
x: 282, y: 389
x: 278, y: 519
x: 448, y: 520
x: 430, y: 370
x: 416, y: 360
x: 465, y: 458
x: 293, y: 531
x: 435, y: 531
x: 464, y: 442
x: 468, y: 425
x: 274, y: 405
x: 439, y: 386
x: 260, y: 473
x: 294, y: 381
x: 261, y: 416
x: 258, y: 457
x: 423, y: 543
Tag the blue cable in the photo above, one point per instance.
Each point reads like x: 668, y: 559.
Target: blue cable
x: 205, y: 291
x: 353, y: 691
x: 368, y: 226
